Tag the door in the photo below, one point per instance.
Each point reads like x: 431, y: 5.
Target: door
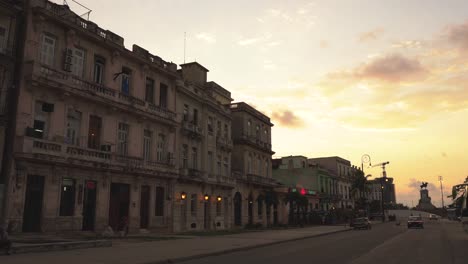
x: 238, y: 209
x: 144, y: 206
x: 119, y: 206
x: 206, y: 217
x: 33, y: 204
x: 89, y: 205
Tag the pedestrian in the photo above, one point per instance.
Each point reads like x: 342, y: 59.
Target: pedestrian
x: 5, y: 242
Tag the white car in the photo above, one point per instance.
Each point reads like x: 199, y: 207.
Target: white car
x: 433, y: 217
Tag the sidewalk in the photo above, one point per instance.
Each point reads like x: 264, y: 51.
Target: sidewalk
x: 172, y: 250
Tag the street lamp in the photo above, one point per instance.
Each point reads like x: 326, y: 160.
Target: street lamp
x: 183, y: 196
x: 206, y: 197
x: 365, y: 159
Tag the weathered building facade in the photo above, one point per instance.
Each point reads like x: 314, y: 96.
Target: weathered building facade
x: 96, y: 128
x: 111, y: 137
x: 11, y: 31
x: 203, y: 190
x: 251, y: 164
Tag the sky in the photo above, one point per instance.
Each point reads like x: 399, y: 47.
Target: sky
x: 338, y: 77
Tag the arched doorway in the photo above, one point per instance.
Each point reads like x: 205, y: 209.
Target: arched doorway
x: 238, y: 209
x: 250, y: 210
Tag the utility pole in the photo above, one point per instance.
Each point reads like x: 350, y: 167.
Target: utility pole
x: 441, y: 191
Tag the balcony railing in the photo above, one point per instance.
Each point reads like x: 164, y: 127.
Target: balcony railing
x: 99, y: 91
x: 224, y: 143
x: 192, y: 129
x: 62, y: 150
x: 253, y: 140
x: 253, y: 178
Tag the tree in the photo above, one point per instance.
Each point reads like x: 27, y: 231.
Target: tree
x: 359, y: 186
x: 297, y: 203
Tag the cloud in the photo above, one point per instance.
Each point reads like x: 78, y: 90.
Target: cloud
x: 458, y: 35
x: 206, y: 37
x: 324, y: 44
x: 248, y: 41
x: 394, y: 68
x: 287, y: 119
x: 416, y: 185
x: 408, y: 44
x: 371, y: 35
x: 269, y: 65
x: 443, y: 154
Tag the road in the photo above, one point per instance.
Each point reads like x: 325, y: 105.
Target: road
x: 439, y: 242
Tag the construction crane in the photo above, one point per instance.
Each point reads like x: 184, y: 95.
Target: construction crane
x: 383, y: 164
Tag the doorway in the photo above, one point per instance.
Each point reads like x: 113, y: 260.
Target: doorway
x: 238, y: 209
x: 250, y: 210
x: 144, y: 206
x: 119, y: 206
x: 89, y: 205
x: 33, y: 204
x: 206, y: 215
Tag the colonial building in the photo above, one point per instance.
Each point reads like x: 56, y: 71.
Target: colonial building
x: 11, y: 32
x: 251, y: 163
x: 96, y: 130
x: 111, y: 137
x: 203, y: 190
x: 342, y: 177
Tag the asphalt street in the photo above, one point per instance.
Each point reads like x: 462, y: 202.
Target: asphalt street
x: 439, y: 242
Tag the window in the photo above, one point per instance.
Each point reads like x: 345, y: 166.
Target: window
x: 226, y: 167
x: 195, y: 117
x: 210, y: 161
x: 122, y: 145
x: 161, y: 147
x: 267, y: 167
x: 194, y: 158
x: 94, y: 132
x: 225, y: 132
x: 257, y: 131
x: 99, y: 63
x: 186, y: 112
x: 149, y: 92
x: 193, y: 205
x: 249, y: 124
x: 159, y: 211
x: 218, y: 129
x: 218, y: 208
x: 3, y: 38
x: 41, y: 119
x: 73, y: 127
x: 47, y: 50
x: 147, y: 135
x: 125, y: 78
x: 210, y: 124
x: 259, y: 164
x: 78, y: 61
x: 249, y: 164
x: 219, y: 165
x: 260, y: 207
x: 163, y: 95
x: 67, y: 198
x: 184, y: 156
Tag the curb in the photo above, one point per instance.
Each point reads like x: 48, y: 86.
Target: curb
x: 46, y: 247
x: 232, y: 250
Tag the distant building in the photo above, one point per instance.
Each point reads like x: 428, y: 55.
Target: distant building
x: 341, y: 172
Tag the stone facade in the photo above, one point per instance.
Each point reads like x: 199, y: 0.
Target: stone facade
x: 107, y: 136
x: 341, y: 172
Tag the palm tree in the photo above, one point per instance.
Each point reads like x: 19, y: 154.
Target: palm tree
x: 360, y: 187
x: 297, y: 203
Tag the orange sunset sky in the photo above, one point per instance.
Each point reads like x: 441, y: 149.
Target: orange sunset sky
x: 337, y: 77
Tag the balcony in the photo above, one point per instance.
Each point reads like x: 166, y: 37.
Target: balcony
x: 260, y: 180
x: 254, y: 141
x: 88, y: 157
x: 225, y: 180
x: 224, y: 143
x: 192, y: 130
x: 77, y: 86
x: 191, y: 174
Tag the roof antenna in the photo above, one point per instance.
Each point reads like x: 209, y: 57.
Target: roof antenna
x: 185, y: 39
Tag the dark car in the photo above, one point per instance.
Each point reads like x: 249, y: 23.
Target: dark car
x: 361, y: 223
x: 415, y: 221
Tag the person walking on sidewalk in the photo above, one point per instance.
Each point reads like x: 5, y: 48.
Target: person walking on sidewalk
x: 5, y: 242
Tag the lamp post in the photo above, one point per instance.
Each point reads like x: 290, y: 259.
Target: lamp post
x: 365, y: 159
